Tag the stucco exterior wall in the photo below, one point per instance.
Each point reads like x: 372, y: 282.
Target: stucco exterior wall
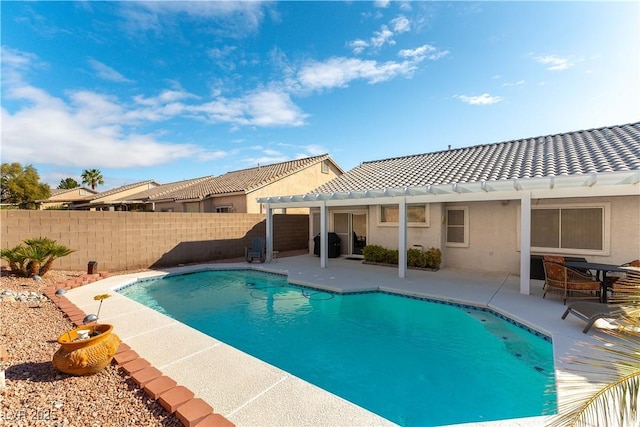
x: 494, y: 233
x: 168, y: 207
x: 299, y: 183
x: 129, y: 240
x: 493, y: 244
x: 387, y: 235
x: 238, y: 202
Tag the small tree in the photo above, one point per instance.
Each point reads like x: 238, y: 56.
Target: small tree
x: 68, y: 184
x: 92, y: 177
x: 22, y: 186
x: 36, y: 258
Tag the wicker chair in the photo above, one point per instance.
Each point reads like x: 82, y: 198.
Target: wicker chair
x: 613, y: 278
x: 627, y: 287
x: 570, y: 282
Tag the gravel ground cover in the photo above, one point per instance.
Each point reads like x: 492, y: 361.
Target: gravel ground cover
x: 34, y: 393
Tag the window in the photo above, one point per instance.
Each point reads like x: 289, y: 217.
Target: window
x: 324, y: 168
x: 458, y: 226
x: 417, y: 215
x: 223, y: 209
x: 192, y: 207
x: 568, y: 227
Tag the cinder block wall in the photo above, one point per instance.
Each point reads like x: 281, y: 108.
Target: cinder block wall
x: 129, y: 240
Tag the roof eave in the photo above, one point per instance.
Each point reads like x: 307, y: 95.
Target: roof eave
x: 591, y: 185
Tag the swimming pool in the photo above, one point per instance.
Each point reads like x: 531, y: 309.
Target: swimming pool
x: 411, y: 361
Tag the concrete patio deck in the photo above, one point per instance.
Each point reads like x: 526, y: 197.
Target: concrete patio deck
x: 249, y: 392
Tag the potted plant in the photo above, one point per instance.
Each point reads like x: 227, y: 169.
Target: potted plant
x: 85, y: 351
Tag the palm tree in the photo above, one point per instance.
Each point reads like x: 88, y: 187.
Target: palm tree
x: 615, y: 358
x: 92, y: 177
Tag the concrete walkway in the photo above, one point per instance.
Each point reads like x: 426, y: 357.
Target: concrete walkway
x: 250, y: 392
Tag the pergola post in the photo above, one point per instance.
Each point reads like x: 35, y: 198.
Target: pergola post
x: 269, y: 233
x: 402, y: 238
x: 324, y: 238
x: 525, y: 243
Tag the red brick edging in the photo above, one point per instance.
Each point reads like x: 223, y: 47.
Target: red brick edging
x: 176, y: 399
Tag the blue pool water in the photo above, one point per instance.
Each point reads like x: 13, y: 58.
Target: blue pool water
x: 414, y: 362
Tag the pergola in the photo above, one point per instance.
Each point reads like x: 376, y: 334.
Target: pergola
x: 623, y: 183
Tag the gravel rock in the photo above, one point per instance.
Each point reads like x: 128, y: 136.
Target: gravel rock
x: 35, y: 394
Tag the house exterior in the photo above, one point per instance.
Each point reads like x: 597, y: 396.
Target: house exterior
x: 490, y: 207
x: 235, y: 191
x: 62, y: 198
x: 238, y: 191
x: 114, y: 199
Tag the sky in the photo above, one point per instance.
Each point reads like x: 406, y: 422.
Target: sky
x: 183, y: 89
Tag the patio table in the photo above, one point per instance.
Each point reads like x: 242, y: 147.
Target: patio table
x: 601, y: 270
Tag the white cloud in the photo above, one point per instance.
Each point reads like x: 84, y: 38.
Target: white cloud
x: 401, y: 24
x: 105, y: 72
x: 307, y: 150
x: 382, y: 37
x: 423, y: 52
x: 484, y: 99
x: 67, y: 134
x: 554, y: 62
x: 15, y: 63
x: 381, y: 3
x: 511, y: 84
x: 233, y: 18
x: 86, y: 127
x: 259, y: 108
x: 339, y: 72
x: 358, y: 46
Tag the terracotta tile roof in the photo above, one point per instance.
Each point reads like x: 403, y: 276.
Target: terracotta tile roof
x: 165, y: 191
x: 607, y: 149
x: 58, y: 191
x: 122, y: 188
x: 245, y: 180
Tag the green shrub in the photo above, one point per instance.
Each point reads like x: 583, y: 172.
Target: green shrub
x: 373, y: 253
x: 415, y: 258
x: 391, y: 256
x: 430, y: 258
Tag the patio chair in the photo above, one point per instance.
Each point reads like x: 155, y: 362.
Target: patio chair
x: 627, y: 287
x: 258, y: 250
x: 624, y: 301
x: 359, y: 242
x: 552, y: 258
x: 614, y: 277
x: 570, y: 282
x: 590, y: 311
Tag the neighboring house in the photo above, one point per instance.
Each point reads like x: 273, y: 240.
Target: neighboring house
x: 489, y: 207
x: 152, y: 199
x: 62, y: 198
x: 237, y: 191
x: 114, y: 199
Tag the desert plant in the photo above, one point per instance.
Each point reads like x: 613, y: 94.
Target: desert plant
x: 35, y: 257
x: 15, y: 257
